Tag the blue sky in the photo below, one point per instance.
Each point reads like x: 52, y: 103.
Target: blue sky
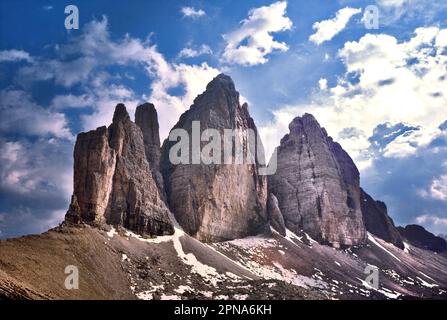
x: 380, y: 92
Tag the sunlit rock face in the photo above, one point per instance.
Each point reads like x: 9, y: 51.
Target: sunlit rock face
x: 113, y: 181
x: 216, y: 202
x: 317, y: 185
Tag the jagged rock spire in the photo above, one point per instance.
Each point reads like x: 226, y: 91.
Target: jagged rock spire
x: 113, y: 182
x: 216, y: 202
x: 317, y: 185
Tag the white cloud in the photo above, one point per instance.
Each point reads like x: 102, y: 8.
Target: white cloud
x: 14, y: 55
x: 327, y: 29
x: 432, y: 219
x: 94, y: 49
x: 47, y: 8
x: 71, y: 101
x: 437, y: 189
x: 322, y: 83
x: 36, y: 168
x: 193, y: 13
x: 392, y: 3
x: 256, y: 32
x: 19, y: 114
x: 192, y: 53
x: 396, y: 82
x: 192, y: 79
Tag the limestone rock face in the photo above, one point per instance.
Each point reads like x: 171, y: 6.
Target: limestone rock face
x: 317, y: 185
x: 275, y: 216
x: 147, y: 119
x: 113, y: 181
x: 216, y: 202
x: 377, y: 221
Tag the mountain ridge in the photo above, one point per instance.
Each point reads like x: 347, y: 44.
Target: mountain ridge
x: 140, y: 227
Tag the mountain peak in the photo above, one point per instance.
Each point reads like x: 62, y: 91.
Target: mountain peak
x: 120, y: 113
x: 222, y: 81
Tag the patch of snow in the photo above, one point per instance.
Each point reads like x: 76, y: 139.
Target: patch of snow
x: 312, y: 241
x: 337, y: 263
x: 291, y: 235
x: 158, y: 239
x: 111, y: 233
x: 170, y: 297
x: 255, y: 241
x: 386, y: 292
x: 240, y: 297
x: 406, y: 247
x: 205, y: 271
x: 373, y: 240
x: 145, y: 295
x: 282, y: 252
x: 208, y: 294
x: 183, y: 289
x: 426, y: 284
x: 221, y: 297
x: 124, y: 258
x: 427, y: 276
x: 290, y: 276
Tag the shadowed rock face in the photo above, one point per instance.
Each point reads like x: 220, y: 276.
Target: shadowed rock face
x: 377, y: 221
x: 113, y: 182
x: 421, y: 238
x: 219, y: 201
x: 317, y: 185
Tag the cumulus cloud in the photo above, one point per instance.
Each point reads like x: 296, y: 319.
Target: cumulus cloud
x: 19, y: 114
x: 426, y: 11
x: 193, y: 13
x: 435, y: 223
x: 71, y: 101
x: 322, y: 83
x: 386, y: 81
x: 191, y: 79
x: 192, y: 53
x: 252, y: 42
x: 327, y: 29
x: 437, y: 189
x: 14, y: 55
x: 35, y: 184
x: 426, y: 218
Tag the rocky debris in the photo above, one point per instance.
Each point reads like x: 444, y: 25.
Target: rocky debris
x: 275, y: 216
x: 216, y: 202
x: 377, y: 221
x: 113, y: 181
x: 147, y: 119
x: 421, y: 238
x: 317, y: 185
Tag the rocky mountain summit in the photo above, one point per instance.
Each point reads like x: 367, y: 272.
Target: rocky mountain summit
x: 216, y: 202
x: 317, y: 186
x: 113, y: 182
x: 307, y: 232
